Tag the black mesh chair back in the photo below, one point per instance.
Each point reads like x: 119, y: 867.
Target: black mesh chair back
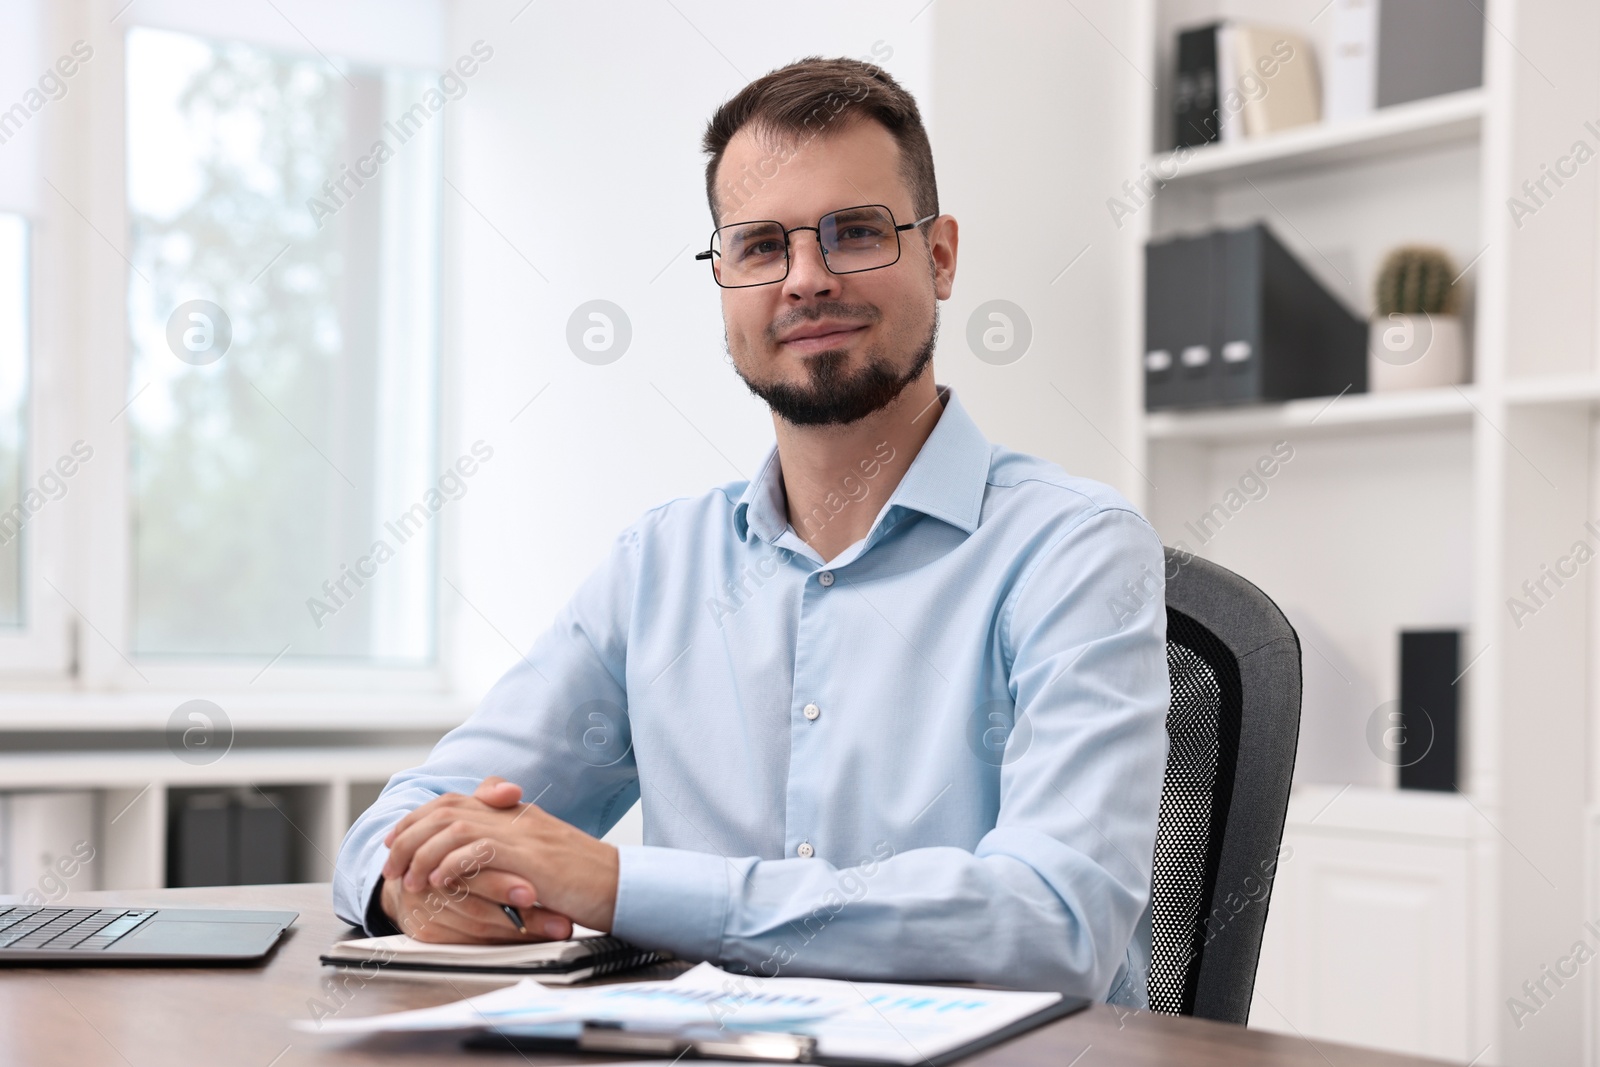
x: 1232, y: 726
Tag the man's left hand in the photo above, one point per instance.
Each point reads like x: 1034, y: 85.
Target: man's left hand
x: 569, y: 871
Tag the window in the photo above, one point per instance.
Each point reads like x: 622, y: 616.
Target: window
x: 283, y: 373
x: 14, y: 419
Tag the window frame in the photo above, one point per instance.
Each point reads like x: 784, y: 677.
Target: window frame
x: 41, y: 649
x: 87, y: 647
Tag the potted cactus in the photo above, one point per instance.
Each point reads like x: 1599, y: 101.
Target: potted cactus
x: 1416, y: 340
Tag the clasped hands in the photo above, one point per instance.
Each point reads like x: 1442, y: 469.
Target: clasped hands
x: 454, y: 860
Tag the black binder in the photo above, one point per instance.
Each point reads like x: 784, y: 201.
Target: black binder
x: 728, y: 1045
x: 262, y: 849
x: 1232, y: 317
x: 1194, y: 104
x: 229, y: 837
x: 1180, y: 277
x: 201, y: 833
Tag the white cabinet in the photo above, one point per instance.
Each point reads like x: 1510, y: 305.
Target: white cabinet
x: 1367, y: 937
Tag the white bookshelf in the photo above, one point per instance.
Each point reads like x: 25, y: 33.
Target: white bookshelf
x: 327, y: 788
x: 1416, y: 510
x: 328, y: 782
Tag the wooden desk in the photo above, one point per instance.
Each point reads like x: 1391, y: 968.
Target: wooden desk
x: 238, y: 1016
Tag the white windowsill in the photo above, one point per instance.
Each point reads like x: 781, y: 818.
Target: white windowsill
x: 71, y: 710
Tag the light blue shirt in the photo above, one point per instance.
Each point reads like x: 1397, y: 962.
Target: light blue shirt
x: 938, y: 755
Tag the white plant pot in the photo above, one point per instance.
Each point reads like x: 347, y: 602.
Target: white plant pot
x: 1415, y: 352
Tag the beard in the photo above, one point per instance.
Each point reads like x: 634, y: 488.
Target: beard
x: 833, y: 397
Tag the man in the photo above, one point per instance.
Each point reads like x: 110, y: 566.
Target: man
x: 895, y: 708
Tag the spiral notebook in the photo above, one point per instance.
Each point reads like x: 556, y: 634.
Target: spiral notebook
x: 590, y: 954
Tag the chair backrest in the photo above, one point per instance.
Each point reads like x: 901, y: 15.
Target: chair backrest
x: 1233, y: 724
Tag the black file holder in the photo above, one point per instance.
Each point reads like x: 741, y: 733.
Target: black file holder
x: 1232, y: 317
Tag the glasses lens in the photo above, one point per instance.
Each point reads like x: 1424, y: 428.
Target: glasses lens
x: 749, y: 253
x: 859, y: 238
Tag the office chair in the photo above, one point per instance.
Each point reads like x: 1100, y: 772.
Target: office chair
x: 1232, y: 724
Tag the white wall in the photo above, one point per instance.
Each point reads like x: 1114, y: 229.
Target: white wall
x: 582, y: 134
x: 25, y: 53
x: 1033, y: 120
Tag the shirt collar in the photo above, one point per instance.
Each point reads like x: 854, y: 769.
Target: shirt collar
x: 946, y: 480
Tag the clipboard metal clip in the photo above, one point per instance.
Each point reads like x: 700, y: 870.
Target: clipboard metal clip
x: 704, y: 1042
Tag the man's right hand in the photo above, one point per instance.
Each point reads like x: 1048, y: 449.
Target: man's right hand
x: 463, y: 912
x: 466, y: 909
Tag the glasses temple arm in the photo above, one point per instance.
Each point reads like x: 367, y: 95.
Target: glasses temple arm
x: 914, y: 225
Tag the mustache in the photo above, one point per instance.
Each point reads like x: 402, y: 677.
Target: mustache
x: 859, y: 314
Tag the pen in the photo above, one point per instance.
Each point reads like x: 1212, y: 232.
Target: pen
x: 511, y: 913
x: 704, y: 1040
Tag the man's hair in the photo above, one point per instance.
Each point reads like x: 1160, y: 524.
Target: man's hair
x: 812, y: 97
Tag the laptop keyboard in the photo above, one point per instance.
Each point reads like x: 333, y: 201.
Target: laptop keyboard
x: 86, y: 929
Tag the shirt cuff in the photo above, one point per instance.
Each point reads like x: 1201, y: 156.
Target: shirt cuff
x: 672, y: 899
x: 377, y: 923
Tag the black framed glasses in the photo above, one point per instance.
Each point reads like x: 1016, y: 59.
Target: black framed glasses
x: 852, y: 239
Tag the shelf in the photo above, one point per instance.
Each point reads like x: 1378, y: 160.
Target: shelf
x: 1390, y: 131
x: 1554, y: 389
x: 66, y: 710
x: 276, y: 766
x: 1318, y: 416
x: 328, y: 787
x: 1365, y: 810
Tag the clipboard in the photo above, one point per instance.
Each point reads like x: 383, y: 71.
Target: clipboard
x: 770, y: 1046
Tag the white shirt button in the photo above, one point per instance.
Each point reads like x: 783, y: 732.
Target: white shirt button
x: 805, y: 850
x: 826, y: 578
x: 811, y: 711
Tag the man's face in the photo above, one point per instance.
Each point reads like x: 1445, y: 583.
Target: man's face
x: 872, y: 333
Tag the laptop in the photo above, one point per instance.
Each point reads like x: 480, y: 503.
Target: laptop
x: 37, y: 934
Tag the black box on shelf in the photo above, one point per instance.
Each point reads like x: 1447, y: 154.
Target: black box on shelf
x: 228, y: 837
x: 1429, y: 709
x: 1427, y: 48
x: 1232, y: 317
